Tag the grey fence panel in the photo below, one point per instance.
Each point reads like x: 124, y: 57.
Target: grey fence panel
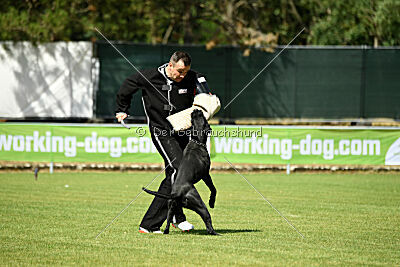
x: 328, y: 83
x: 268, y: 95
x: 324, y: 83
x: 382, y: 85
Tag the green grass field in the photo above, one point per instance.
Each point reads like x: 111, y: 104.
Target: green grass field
x: 347, y: 219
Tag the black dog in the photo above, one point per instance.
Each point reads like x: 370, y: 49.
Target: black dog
x: 195, y: 166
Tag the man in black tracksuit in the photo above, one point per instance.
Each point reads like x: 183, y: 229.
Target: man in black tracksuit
x: 166, y: 90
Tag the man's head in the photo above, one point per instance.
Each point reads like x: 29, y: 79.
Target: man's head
x: 178, y: 66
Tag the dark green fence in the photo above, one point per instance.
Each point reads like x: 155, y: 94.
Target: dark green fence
x: 326, y: 83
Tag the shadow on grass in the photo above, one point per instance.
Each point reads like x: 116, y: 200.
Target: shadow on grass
x: 220, y: 231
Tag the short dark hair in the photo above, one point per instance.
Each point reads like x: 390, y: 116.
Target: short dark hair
x: 180, y: 55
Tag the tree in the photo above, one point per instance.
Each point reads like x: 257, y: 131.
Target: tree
x: 44, y: 21
x: 238, y: 22
x: 355, y: 22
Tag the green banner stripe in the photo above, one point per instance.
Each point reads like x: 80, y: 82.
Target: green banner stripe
x: 241, y: 144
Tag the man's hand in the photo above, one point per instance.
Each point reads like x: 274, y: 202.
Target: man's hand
x: 121, y: 116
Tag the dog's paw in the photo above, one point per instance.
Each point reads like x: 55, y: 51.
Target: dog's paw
x: 211, y: 202
x: 213, y: 233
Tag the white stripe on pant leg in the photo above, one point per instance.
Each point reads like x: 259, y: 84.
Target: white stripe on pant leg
x: 162, y: 148
x: 169, y: 161
x: 173, y: 174
x: 159, y: 143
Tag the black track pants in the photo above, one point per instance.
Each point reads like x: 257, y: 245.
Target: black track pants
x: 171, y: 149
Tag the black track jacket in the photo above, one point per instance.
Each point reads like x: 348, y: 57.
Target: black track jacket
x: 157, y: 107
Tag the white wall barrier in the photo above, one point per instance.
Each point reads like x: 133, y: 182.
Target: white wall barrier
x: 47, y: 80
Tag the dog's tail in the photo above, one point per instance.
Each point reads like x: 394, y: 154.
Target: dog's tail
x: 156, y: 193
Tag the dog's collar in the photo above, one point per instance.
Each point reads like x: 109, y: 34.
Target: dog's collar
x: 197, y: 142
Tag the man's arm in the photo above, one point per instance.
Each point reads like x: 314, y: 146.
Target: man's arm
x: 124, y: 96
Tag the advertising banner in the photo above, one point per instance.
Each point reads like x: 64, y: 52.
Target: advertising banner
x: 239, y: 144
x: 307, y: 145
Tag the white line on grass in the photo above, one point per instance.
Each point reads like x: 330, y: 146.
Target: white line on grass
x: 133, y: 200
x: 266, y: 199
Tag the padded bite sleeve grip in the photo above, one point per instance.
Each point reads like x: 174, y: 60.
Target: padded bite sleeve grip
x: 201, y: 85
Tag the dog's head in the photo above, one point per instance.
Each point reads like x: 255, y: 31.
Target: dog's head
x: 200, y: 126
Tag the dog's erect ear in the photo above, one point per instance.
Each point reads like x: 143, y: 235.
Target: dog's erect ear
x: 207, y: 127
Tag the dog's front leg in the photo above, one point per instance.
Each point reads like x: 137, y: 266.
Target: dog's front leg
x: 213, y: 190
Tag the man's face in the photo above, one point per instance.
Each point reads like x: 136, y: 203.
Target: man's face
x: 178, y: 70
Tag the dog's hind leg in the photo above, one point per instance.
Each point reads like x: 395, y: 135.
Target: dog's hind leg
x: 170, y: 215
x: 195, y: 203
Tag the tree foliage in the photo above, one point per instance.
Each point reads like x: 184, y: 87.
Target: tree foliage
x: 239, y: 22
